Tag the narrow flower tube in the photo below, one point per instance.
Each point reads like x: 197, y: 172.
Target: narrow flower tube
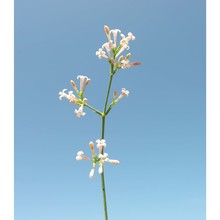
x: 91, y: 174
x: 100, y: 170
x: 123, y: 47
x: 126, y: 64
x: 108, y: 46
x: 79, y: 112
x: 101, y: 54
x: 84, y: 81
x: 113, y: 161
x: 81, y: 78
x: 80, y: 156
x: 115, y: 33
x: 124, y: 92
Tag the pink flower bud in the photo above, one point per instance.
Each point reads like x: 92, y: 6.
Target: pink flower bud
x: 136, y: 63
x: 114, y: 161
x: 107, y: 31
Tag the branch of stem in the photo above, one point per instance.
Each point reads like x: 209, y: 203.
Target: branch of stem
x: 92, y: 108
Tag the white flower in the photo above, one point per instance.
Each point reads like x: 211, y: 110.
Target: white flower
x: 112, y: 161
x: 63, y: 94
x: 96, y: 158
x: 124, y: 91
x: 123, y: 47
x: 100, y: 143
x: 100, y: 170
x: 91, y: 174
x: 108, y: 46
x: 70, y: 96
x: 112, y: 48
x: 80, y: 153
x: 126, y: 64
x: 80, y: 156
x: 80, y: 112
x: 101, y: 54
x: 124, y: 42
x: 130, y: 36
x: 84, y: 81
x: 104, y: 158
x: 115, y: 33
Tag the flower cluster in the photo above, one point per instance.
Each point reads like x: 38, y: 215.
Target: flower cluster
x: 124, y: 92
x: 110, y: 50
x: 79, y: 100
x: 99, y: 158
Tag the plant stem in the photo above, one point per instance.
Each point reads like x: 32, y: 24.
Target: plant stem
x: 95, y: 110
x: 103, y: 136
x: 109, y: 87
x: 102, y: 175
x: 103, y: 129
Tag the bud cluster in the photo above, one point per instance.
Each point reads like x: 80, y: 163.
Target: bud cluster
x: 99, y: 158
x: 79, y: 100
x: 110, y: 50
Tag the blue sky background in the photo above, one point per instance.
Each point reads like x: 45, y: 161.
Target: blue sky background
x: 157, y: 133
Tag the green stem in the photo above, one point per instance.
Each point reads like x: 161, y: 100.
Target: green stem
x: 109, y: 108
x: 109, y: 86
x: 102, y: 175
x: 95, y: 110
x: 103, y: 136
x: 103, y: 128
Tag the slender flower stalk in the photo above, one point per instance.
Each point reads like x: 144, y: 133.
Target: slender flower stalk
x: 109, y: 51
x: 103, y: 136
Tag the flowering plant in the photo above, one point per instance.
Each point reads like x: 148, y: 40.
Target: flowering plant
x: 112, y: 52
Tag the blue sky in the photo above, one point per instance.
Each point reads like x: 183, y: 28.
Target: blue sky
x: 157, y: 133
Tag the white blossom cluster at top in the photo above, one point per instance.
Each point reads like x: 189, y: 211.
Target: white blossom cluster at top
x: 111, y: 50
